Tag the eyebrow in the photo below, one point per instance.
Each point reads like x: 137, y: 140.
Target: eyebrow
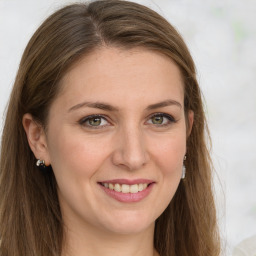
x: 99, y: 105
x: 165, y: 103
x: 107, y: 107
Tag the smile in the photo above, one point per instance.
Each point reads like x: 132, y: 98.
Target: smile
x: 125, y: 188
x: 127, y: 191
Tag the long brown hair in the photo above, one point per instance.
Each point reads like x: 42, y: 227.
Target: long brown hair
x: 30, y: 216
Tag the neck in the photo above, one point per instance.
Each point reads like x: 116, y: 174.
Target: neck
x: 90, y: 241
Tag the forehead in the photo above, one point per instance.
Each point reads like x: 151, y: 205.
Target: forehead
x: 133, y: 75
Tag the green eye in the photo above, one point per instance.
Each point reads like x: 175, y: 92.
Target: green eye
x: 161, y: 119
x: 94, y: 121
x: 157, y: 119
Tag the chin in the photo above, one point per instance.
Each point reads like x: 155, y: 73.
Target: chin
x: 130, y: 223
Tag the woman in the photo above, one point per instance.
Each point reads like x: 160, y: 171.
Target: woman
x: 103, y: 149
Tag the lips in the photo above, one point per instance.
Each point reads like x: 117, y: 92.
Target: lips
x: 127, y: 190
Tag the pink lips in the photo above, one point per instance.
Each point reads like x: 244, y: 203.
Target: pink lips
x: 128, y: 182
x: 128, y: 197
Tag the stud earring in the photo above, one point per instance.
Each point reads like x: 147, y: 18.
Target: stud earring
x: 183, y: 175
x: 41, y: 164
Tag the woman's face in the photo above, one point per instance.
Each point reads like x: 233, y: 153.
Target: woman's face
x: 116, y: 139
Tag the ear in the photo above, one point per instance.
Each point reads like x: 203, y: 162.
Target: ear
x: 36, y: 138
x: 190, y: 122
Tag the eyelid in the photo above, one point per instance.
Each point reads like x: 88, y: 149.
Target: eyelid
x: 168, y: 116
x: 83, y: 120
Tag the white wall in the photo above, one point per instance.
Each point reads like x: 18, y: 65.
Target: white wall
x: 221, y: 35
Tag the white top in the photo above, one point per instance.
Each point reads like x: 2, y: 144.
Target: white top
x: 246, y: 247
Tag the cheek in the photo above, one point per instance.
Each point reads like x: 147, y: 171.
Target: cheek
x: 76, y: 154
x: 169, y: 153
x: 168, y: 156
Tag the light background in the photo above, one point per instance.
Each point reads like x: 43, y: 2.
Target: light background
x: 221, y: 35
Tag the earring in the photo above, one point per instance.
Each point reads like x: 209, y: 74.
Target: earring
x: 183, y: 175
x: 41, y: 164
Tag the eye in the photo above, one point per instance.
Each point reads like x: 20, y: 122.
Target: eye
x: 161, y: 119
x: 94, y: 121
x: 157, y: 119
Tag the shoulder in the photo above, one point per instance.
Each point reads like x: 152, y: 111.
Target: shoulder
x: 246, y: 248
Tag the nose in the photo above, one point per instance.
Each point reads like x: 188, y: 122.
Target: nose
x: 130, y: 151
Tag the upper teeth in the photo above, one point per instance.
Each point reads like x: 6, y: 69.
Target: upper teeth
x: 125, y: 188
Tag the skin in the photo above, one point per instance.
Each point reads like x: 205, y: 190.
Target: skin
x: 126, y: 143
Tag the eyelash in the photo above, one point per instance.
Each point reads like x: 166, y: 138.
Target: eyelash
x: 170, y: 120
x: 86, y: 119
